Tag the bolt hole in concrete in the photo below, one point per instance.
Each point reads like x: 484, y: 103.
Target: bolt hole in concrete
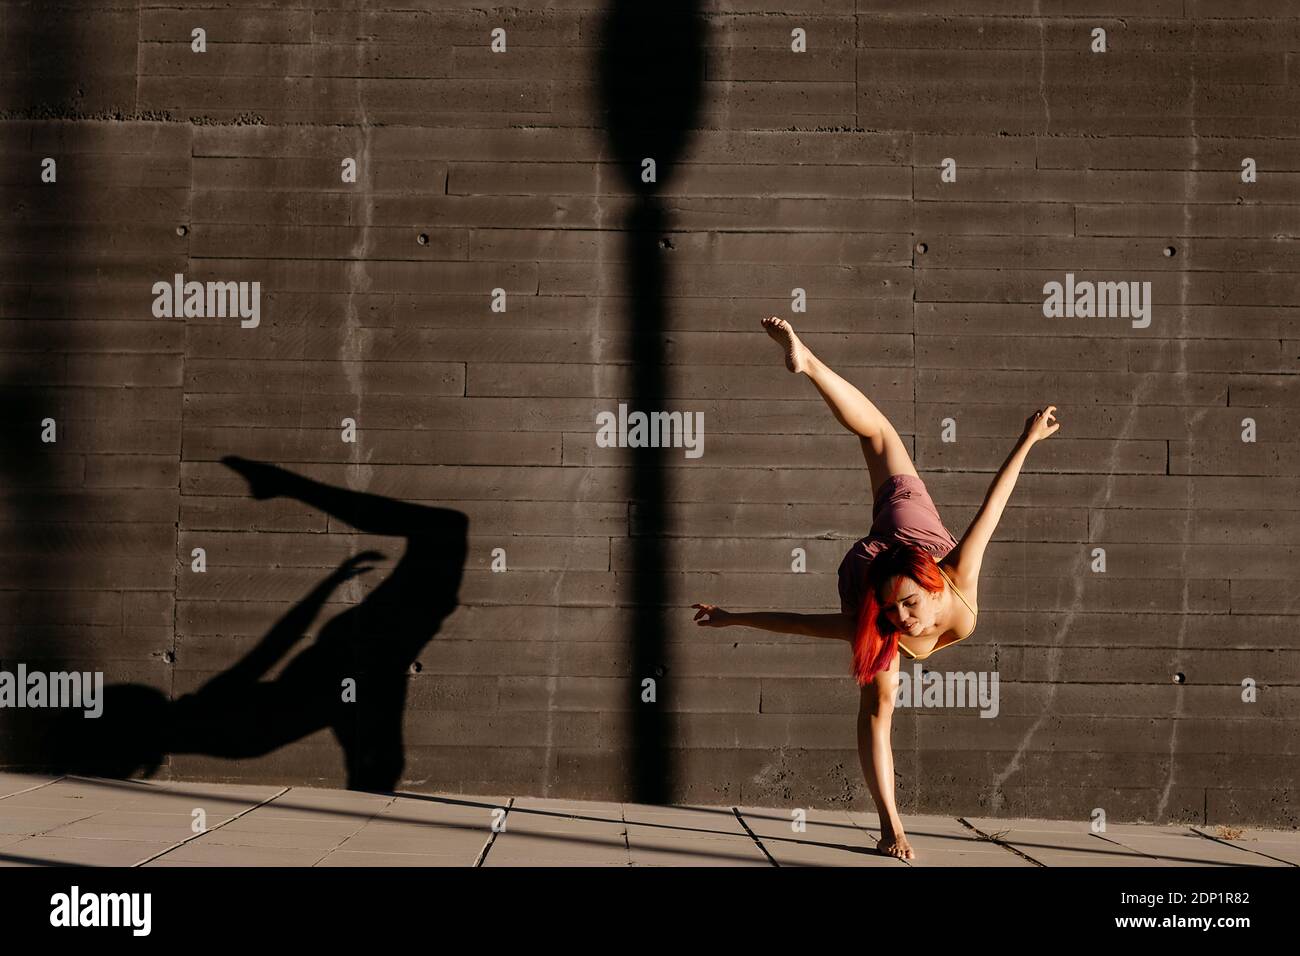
x: 1180, y: 678
x: 1171, y: 251
x: 422, y: 238
x: 922, y: 248
x: 416, y: 667
x: 182, y: 230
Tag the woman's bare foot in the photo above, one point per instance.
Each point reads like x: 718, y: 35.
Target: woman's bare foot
x: 796, y: 354
x: 895, y: 844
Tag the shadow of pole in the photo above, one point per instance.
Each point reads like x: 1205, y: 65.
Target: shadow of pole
x: 650, y: 79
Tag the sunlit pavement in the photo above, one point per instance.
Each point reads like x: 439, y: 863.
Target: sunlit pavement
x: 94, y: 822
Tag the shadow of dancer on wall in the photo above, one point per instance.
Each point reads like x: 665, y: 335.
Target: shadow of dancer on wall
x: 237, y: 714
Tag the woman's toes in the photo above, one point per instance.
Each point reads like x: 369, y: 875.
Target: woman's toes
x: 783, y: 333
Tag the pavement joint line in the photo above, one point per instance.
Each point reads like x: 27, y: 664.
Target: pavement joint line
x: 306, y: 808
x: 482, y: 854
x: 1245, y: 849
x: 1126, y: 847
x: 754, y: 836
x: 533, y: 811
x: 876, y: 835
x: 680, y: 827
x: 992, y: 838
x: 30, y: 789
x: 50, y: 830
x: 360, y: 826
x: 1175, y: 860
x: 207, y: 830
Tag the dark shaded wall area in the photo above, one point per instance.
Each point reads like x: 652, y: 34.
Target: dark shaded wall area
x: 500, y: 272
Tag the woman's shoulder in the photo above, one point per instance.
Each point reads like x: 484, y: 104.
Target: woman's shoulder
x: 966, y: 583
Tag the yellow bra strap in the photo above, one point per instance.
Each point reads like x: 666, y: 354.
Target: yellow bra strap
x: 958, y: 592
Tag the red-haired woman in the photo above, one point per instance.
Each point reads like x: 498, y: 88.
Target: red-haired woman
x: 907, y: 586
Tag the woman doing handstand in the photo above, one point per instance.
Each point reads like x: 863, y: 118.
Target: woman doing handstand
x: 907, y: 580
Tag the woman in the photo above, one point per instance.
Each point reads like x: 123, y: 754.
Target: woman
x: 907, y: 586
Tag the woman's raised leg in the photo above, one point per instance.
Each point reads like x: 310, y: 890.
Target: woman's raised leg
x: 882, y: 447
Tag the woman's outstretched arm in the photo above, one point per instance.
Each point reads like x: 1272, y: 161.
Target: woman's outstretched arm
x: 969, y: 553
x: 839, y: 626
x: 288, y: 630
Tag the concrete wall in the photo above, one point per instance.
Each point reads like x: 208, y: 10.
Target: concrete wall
x: 777, y: 171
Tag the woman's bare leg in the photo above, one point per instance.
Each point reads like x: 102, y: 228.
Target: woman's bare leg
x: 881, y: 445
x: 876, y: 754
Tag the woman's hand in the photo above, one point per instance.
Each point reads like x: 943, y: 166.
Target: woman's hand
x: 356, y: 565
x: 264, y: 481
x: 710, y: 615
x: 1040, y: 425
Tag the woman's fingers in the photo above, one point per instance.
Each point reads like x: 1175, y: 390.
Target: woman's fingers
x: 1050, y: 423
x: 705, y: 613
x: 1042, y: 423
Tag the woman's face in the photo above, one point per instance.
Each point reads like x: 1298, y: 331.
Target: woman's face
x: 913, y: 609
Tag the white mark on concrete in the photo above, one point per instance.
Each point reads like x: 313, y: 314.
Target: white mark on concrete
x: 351, y: 351
x: 1042, y: 67
x: 1190, y: 197
x: 1147, y: 383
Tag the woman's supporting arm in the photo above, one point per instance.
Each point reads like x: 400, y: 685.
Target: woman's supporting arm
x: 839, y: 626
x: 876, y: 752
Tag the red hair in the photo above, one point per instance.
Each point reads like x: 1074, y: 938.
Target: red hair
x: 876, y: 640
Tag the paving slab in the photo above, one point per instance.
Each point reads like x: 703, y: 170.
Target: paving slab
x: 704, y: 821
x: 54, y: 850
x: 425, y: 838
x: 541, y: 814
x: 1061, y: 842
x: 220, y: 854
x: 944, y: 841
x: 445, y: 808
x: 660, y: 845
x: 93, y: 822
x: 12, y: 783
x: 321, y: 841
x: 556, y: 846
x: 684, y: 853
x: 350, y: 858
x: 34, y: 820
x: 1280, y: 845
x: 817, y: 838
x: 99, y: 827
x: 689, y: 836
x: 558, y: 830
x: 1181, y: 846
